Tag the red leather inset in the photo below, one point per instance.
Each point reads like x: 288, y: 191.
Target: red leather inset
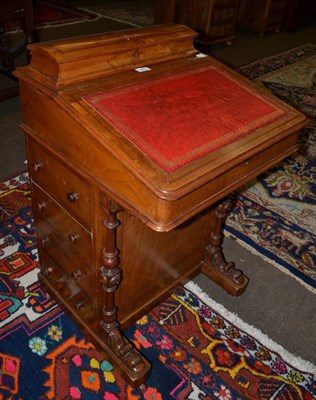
x: 179, y: 118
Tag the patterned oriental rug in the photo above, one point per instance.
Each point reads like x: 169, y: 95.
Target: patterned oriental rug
x: 198, y: 349
x: 48, y: 15
x: 275, y: 215
x: 139, y: 13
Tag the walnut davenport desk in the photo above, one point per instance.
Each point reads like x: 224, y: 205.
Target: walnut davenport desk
x: 134, y: 140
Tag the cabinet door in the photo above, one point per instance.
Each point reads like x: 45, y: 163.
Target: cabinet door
x: 214, y: 20
x: 275, y: 15
x: 223, y: 19
x: 261, y: 15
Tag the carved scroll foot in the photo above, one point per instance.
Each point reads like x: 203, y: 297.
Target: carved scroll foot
x: 129, y: 361
x: 214, y: 264
x: 224, y: 274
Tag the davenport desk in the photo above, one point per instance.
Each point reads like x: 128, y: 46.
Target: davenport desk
x: 134, y: 140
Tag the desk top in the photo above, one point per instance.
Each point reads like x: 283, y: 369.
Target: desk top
x: 178, y: 118
x: 164, y: 130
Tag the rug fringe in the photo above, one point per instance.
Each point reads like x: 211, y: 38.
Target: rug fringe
x: 296, y: 361
x: 268, y: 260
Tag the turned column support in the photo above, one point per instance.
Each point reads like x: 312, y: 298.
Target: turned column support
x: 122, y: 353
x: 214, y: 264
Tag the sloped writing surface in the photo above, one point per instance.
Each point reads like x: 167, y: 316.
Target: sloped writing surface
x: 181, y: 117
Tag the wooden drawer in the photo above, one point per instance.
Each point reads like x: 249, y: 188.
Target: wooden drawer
x: 70, y: 190
x: 68, y: 263
x: 61, y: 225
x: 67, y: 288
x: 60, y: 252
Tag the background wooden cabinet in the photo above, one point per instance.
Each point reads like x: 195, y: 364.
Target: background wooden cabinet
x: 214, y: 20
x: 263, y: 15
x: 299, y: 12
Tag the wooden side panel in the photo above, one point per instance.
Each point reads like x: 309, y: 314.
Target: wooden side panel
x: 154, y: 262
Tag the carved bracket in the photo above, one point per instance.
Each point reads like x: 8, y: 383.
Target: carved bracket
x: 214, y: 264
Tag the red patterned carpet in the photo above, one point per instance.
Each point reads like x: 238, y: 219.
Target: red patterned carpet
x: 198, y: 350
x: 47, y: 15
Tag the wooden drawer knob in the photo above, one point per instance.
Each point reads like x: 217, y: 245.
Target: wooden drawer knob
x: 79, y: 304
x: 72, y: 196
x: 76, y: 274
x: 73, y: 237
x: 47, y: 270
x: 41, y: 206
x: 37, y: 165
x: 44, y: 241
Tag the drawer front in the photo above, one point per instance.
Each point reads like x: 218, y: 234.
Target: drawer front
x: 66, y: 287
x: 52, y: 220
x: 70, y: 190
x: 60, y: 252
